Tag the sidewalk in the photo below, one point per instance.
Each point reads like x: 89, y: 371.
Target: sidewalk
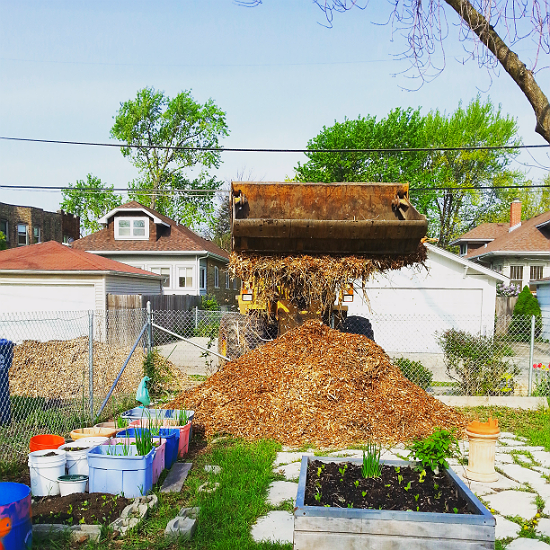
x: 524, y: 472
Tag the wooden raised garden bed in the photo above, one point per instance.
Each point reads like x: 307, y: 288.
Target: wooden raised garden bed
x: 320, y: 527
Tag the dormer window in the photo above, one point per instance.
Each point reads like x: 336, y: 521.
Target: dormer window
x: 463, y: 249
x: 127, y: 228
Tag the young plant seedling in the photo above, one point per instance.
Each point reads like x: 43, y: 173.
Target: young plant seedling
x: 399, y: 478
x: 407, y: 487
x: 317, y: 496
x: 356, y: 483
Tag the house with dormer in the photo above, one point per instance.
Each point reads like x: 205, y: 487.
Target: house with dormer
x: 143, y: 238
x: 520, y: 250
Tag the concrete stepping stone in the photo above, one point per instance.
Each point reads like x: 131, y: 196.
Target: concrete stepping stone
x: 506, y: 528
x: 183, y: 525
x: 542, y: 457
x: 290, y: 471
x: 513, y: 503
x: 505, y: 442
x: 503, y: 458
x: 544, y: 527
x: 503, y: 483
x: 277, y: 526
x: 510, y: 435
x: 289, y: 457
x: 279, y: 491
x: 523, y: 475
x: 527, y: 544
x: 347, y: 453
x: 176, y: 477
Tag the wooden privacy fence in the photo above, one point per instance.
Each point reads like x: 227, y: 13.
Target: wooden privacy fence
x: 169, y: 302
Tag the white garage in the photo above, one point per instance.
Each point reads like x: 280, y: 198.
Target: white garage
x: 47, y: 290
x: 409, y: 306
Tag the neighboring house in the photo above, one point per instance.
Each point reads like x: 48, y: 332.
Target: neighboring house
x: 24, y: 225
x: 519, y: 250
x: 407, y: 307
x: 54, y: 277
x: 141, y: 237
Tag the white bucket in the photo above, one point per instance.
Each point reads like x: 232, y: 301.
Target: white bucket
x: 45, y: 470
x: 77, y: 461
x: 72, y: 484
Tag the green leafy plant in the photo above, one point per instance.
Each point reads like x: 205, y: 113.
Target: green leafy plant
x: 364, y: 493
x: 356, y: 483
x: 526, y: 306
x: 317, y: 496
x: 156, y: 368
x: 371, y: 461
x: 407, y: 487
x: 415, y: 371
x: 433, y: 451
x: 478, y: 363
x: 121, y: 422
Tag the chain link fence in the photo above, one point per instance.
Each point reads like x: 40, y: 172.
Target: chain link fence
x: 56, y: 355
x: 60, y: 367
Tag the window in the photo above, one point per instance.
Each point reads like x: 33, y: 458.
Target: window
x: 235, y: 284
x: 497, y: 268
x: 203, y: 278
x: 22, y: 234
x: 165, y: 273
x: 463, y: 249
x: 535, y: 272
x: 131, y: 228
x: 4, y: 229
x: 516, y: 275
x: 216, y: 277
x: 37, y: 234
x: 185, y: 277
x: 227, y: 280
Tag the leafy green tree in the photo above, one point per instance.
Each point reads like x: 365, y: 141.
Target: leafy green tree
x: 220, y: 227
x: 90, y: 199
x: 450, y: 213
x: 3, y: 243
x: 164, y: 138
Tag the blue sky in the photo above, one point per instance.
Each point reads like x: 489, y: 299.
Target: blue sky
x: 280, y: 75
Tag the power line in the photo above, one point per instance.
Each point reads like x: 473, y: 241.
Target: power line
x: 262, y: 150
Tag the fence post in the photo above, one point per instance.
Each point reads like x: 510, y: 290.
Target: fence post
x: 91, y: 360
x: 531, y: 354
x: 150, y: 328
x: 196, y: 317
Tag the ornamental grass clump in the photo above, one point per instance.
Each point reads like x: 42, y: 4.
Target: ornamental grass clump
x: 144, y: 441
x: 371, y: 461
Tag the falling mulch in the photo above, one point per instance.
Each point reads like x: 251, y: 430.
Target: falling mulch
x: 58, y: 369
x: 87, y: 508
x: 341, y: 485
x: 316, y: 385
x: 311, y: 280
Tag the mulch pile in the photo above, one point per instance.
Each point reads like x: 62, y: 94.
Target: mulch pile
x: 314, y: 279
x: 318, y: 386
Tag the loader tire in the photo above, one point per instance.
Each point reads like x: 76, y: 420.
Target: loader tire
x: 354, y: 324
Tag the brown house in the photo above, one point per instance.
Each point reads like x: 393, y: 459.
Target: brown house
x: 143, y: 238
x: 24, y: 225
x: 519, y: 250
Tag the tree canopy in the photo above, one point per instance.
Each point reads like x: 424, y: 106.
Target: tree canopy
x: 444, y: 185
x: 90, y: 199
x: 166, y: 137
x: 487, y: 29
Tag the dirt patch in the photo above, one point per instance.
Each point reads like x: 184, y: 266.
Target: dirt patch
x: 58, y: 369
x: 319, y: 386
x: 341, y: 485
x: 79, y: 508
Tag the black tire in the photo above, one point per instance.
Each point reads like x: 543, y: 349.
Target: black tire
x: 354, y: 324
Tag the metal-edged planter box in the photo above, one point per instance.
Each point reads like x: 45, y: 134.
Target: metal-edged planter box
x: 320, y: 528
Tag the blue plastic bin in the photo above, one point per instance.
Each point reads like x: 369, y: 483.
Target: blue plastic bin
x: 6, y: 356
x: 171, y: 436
x: 112, y: 472
x: 137, y: 413
x: 15, y: 516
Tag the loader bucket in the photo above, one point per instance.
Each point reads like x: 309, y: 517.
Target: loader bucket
x: 366, y: 219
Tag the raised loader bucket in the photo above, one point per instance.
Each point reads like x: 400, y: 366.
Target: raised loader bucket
x: 325, y: 218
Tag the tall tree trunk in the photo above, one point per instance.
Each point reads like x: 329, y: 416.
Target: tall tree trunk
x: 521, y: 75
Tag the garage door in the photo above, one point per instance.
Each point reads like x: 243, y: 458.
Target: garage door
x: 45, y: 312
x: 409, y: 319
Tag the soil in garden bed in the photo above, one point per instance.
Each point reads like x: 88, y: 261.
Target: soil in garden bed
x: 341, y: 485
x: 88, y: 508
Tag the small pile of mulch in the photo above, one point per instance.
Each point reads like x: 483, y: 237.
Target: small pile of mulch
x: 318, y: 386
x: 59, y: 369
x: 311, y: 279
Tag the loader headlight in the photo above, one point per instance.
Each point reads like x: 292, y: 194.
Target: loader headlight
x: 246, y: 297
x: 348, y: 297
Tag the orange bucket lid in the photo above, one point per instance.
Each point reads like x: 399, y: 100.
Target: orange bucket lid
x: 484, y: 428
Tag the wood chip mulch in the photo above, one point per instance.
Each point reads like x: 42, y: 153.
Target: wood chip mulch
x: 316, y: 385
